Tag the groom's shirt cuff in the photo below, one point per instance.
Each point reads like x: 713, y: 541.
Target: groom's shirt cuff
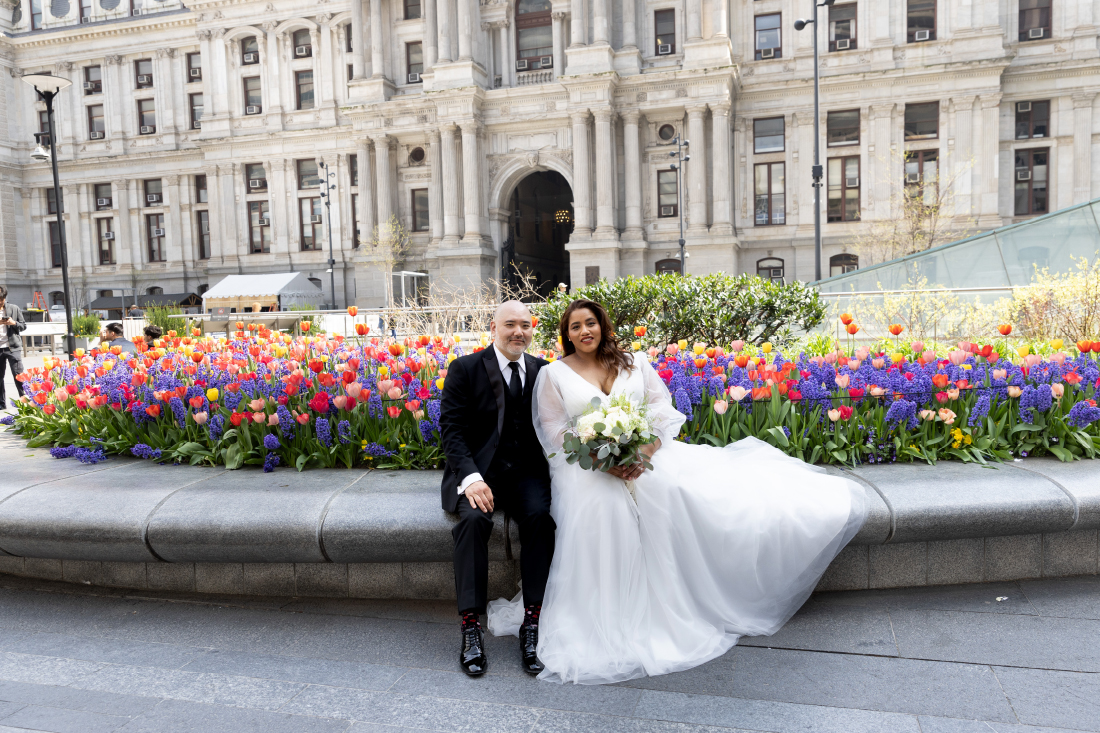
x: 472, y: 478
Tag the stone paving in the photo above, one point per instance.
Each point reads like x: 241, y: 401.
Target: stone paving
x: 1017, y: 657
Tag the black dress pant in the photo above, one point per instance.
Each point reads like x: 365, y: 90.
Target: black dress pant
x: 526, y: 500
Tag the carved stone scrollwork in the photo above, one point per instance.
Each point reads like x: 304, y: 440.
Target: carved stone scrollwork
x: 113, y: 60
x: 269, y: 26
x: 558, y: 15
x: 203, y: 35
x: 16, y: 73
x: 324, y: 18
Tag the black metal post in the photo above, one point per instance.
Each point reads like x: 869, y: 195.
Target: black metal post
x: 681, y: 158
x: 326, y: 192
x: 70, y: 339
x: 817, y: 171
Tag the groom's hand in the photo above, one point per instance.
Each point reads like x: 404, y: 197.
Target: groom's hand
x: 480, y: 495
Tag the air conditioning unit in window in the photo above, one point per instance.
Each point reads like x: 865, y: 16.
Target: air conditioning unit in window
x: 843, y: 44
x: 148, y: 129
x: 414, y: 78
x: 1023, y: 106
x: 851, y: 182
x: 103, y: 202
x: 250, y: 58
x: 315, y: 219
x: 252, y: 109
x: 257, y: 183
x: 196, y: 125
x: 664, y: 49
x: 301, y: 50
x: 135, y: 12
x: 1023, y: 175
x: 521, y: 65
x: 108, y: 235
x: 85, y: 19
x: 912, y: 177
x: 1036, y: 32
x: 196, y: 73
x: 89, y: 85
x: 145, y: 79
x: 667, y: 210
x: 95, y: 135
x: 922, y: 35
x: 158, y: 232
x: 767, y: 53
x: 152, y: 198
x: 546, y: 62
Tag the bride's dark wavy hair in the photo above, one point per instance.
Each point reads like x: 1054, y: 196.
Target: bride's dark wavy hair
x: 610, y: 353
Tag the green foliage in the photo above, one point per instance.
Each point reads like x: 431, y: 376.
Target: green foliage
x: 86, y: 326
x: 157, y: 315
x: 715, y: 309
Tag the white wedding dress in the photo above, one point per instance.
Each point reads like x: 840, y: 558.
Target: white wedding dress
x: 715, y: 543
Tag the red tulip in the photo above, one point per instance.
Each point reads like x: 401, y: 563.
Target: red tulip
x: 845, y: 412
x: 393, y: 410
x: 153, y: 411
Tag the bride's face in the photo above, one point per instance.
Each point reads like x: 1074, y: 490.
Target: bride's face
x: 584, y: 331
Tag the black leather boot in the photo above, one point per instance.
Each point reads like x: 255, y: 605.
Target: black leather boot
x: 472, y: 658
x: 528, y: 648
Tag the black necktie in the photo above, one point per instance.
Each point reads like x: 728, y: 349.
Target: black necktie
x: 515, y: 387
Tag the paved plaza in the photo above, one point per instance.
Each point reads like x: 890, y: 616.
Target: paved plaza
x: 1018, y: 657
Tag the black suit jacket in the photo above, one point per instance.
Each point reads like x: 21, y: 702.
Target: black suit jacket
x: 472, y: 416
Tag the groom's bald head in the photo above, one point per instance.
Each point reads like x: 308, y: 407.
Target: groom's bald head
x: 512, y: 328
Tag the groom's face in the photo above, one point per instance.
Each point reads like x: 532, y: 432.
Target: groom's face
x: 512, y: 331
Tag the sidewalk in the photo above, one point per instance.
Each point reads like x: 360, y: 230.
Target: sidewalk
x: 33, y: 359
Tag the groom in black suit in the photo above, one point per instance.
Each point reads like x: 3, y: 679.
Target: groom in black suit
x: 494, y: 460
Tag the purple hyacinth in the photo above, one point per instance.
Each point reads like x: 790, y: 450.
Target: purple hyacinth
x: 215, y: 427
x: 433, y: 412
x: 683, y: 402
x: 324, y: 432
x: 980, y: 409
x: 427, y: 431
x: 179, y: 411
x: 1082, y: 415
x: 63, y: 451
x: 7, y: 419
x: 271, y: 442
x: 286, y: 422
x: 902, y: 411
x: 141, y: 450
x: 376, y: 450
x: 343, y: 431
x: 90, y: 455
x: 270, y: 462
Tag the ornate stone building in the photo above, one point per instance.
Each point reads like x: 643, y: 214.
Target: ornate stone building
x: 536, y: 132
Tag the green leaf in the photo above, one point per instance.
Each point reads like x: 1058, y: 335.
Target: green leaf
x: 1026, y: 428
x: 603, y: 452
x: 780, y: 436
x: 234, y: 458
x: 300, y: 462
x: 1063, y: 455
x: 599, y: 427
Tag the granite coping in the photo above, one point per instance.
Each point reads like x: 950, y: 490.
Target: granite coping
x: 131, y: 511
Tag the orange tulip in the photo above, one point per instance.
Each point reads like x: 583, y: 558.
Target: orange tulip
x: 896, y: 329
x: 1005, y: 329
x: 846, y: 318
x: 852, y: 329
x: 1084, y: 345
x: 353, y: 311
x: 639, y: 331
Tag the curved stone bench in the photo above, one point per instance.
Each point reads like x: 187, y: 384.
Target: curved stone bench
x: 382, y: 534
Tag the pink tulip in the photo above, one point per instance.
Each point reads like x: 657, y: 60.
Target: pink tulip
x: 200, y: 418
x: 419, y: 414
x: 719, y: 351
x: 1058, y: 358
x: 818, y: 360
x: 853, y: 364
x: 233, y: 369
x: 653, y: 351
x: 1014, y: 391
x: 340, y: 401
x: 862, y: 353
x: 273, y: 419
x: 834, y: 415
x: 738, y: 393
x: 1000, y: 373
x: 1032, y: 359
x: 929, y: 355
x: 842, y: 381
x: 877, y: 391
x: 927, y: 415
x: 302, y: 419
x: 1057, y: 389
x: 953, y: 393
x: 258, y: 404
x: 61, y: 394
x: 878, y: 363
x: 957, y: 356
x: 917, y: 346
x: 394, y: 393
x: 948, y: 416
x: 259, y: 417
x: 384, y: 385
x: 720, y: 406
x: 353, y: 389
x: 737, y: 345
x: 830, y: 358
x: 672, y: 349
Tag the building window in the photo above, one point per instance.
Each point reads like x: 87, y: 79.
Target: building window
x: 353, y: 168
x: 250, y: 51
x: 36, y: 14
x: 922, y: 121
x: 1034, y: 19
x: 194, y: 67
x: 256, y: 177
x: 668, y: 199
x: 355, y: 220
x: 668, y: 267
x: 259, y: 227
x: 842, y: 27
x: 420, y: 209
x: 307, y: 174
x: 93, y: 80
x: 303, y: 46
x: 414, y: 61
x: 842, y: 128
x: 534, y: 42
x: 412, y: 10
x: 154, y: 232
x: 303, y: 83
x: 86, y: 9
x: 921, y: 20
x: 840, y: 264
x: 769, y: 38
x: 843, y: 189
x: 922, y: 175
x: 155, y: 290
x: 770, y: 194
x: 253, y: 95
x: 351, y: 72
x: 147, y: 116
x: 154, y: 195
x: 664, y: 28
x: 666, y: 132
x: 1031, y: 181
x: 310, y: 223
x: 767, y: 135
x: 143, y: 72
x: 106, y: 241
x: 1032, y: 119
x: 51, y: 202
x: 96, y: 128
x: 104, y: 201
x: 55, y: 245
x: 202, y: 196
x: 349, y: 34
x: 44, y: 127
x: 771, y: 268
x: 203, y: 228
x: 196, y: 111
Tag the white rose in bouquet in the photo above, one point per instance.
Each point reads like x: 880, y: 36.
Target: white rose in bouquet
x: 610, y: 433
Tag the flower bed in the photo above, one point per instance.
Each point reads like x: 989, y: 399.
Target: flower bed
x: 267, y: 398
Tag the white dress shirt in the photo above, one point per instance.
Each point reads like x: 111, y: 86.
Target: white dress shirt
x: 506, y: 371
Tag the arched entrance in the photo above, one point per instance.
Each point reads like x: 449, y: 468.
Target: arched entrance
x: 540, y: 221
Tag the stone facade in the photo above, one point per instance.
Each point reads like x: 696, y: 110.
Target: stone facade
x: 444, y: 144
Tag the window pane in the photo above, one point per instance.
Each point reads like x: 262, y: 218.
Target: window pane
x: 921, y: 16
x: 301, y: 38
x: 842, y: 22
x: 536, y: 41
x: 666, y: 188
x: 252, y: 92
x: 412, y: 10
x: 922, y: 121
x: 843, y: 127
x: 307, y: 174
x: 777, y: 178
x: 420, y: 210
x: 767, y: 31
x: 768, y: 135
x: 665, y: 22
x: 305, y: 89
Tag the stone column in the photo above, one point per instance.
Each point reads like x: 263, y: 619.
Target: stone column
x: 990, y: 152
x: 471, y: 184
x: 559, y: 43
x: 577, y: 23
x: 269, y: 60
x: 25, y: 21
x: 630, y: 23
x: 697, y: 168
x: 694, y: 20
x: 465, y: 31
x: 435, y: 187
x: 963, y: 154
x: 582, y: 212
x: 605, y: 177
x: 383, y: 192
x: 446, y: 18
x: 121, y: 201
x: 226, y: 208
x: 722, y: 167
x: 879, y: 175
x: 1082, y: 146
x: 601, y: 32
x: 507, y: 59
x: 721, y: 19
x: 450, y: 183
x: 322, y: 63
x: 280, y: 182
x: 221, y: 83
x: 365, y: 211
x: 376, y: 59
x: 431, y: 35
x: 134, y: 222
x: 358, y: 43
x: 77, y: 226
x: 173, y: 224
x: 632, y: 152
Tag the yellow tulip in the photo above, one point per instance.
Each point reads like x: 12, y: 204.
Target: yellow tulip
x: 698, y: 348
x: 896, y: 357
x: 212, y: 394
x: 636, y: 345
x: 967, y: 367
x: 422, y: 351
x: 383, y: 371
x: 683, y: 344
x: 766, y: 347
x: 451, y: 357
x: 1056, y: 344
x: 1023, y: 351
x: 439, y: 383
x: 78, y: 353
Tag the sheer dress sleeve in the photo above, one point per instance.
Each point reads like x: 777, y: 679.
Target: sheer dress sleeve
x: 550, y: 416
x: 665, y: 419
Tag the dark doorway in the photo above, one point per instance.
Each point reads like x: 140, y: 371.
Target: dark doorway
x: 540, y: 223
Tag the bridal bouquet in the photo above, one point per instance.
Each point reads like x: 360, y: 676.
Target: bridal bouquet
x: 609, y: 433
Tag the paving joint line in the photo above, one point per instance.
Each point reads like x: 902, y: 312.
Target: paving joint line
x: 1003, y: 692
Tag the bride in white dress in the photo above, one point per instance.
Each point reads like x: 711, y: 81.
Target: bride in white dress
x: 713, y: 544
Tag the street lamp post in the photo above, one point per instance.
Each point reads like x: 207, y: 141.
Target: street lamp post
x: 326, y: 193
x: 682, y: 156
x: 47, y: 86
x: 816, y: 171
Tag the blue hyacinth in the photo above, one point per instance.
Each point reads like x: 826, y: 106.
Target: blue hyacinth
x: 271, y: 442
x: 324, y: 432
x: 270, y: 462
x: 141, y: 450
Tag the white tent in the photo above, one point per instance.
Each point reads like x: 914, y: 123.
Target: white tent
x: 282, y: 290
